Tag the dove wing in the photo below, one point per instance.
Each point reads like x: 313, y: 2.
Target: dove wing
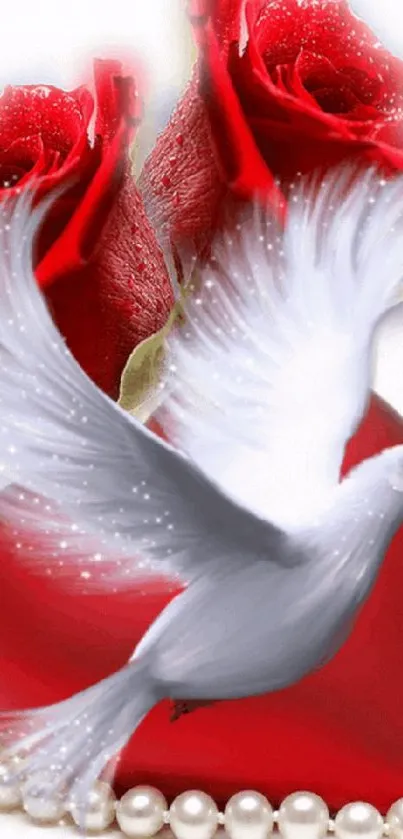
x: 270, y: 375
x: 88, y: 485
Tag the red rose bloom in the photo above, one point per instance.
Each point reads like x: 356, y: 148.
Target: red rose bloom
x: 98, y: 260
x: 282, y: 87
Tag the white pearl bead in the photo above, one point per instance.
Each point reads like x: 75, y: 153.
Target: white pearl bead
x: 38, y: 803
x: 303, y: 815
x: 358, y: 820
x: 141, y: 811
x: 193, y: 815
x: 100, y: 808
x: 248, y: 815
x: 10, y: 794
x: 394, y: 820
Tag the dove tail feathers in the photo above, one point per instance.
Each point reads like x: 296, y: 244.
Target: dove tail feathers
x: 60, y: 751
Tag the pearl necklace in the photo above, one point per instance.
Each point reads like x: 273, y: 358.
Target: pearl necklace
x: 143, y: 812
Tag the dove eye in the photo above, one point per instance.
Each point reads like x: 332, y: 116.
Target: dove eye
x: 396, y: 479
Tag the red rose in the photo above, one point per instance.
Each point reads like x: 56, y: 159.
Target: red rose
x: 285, y: 87
x: 98, y: 260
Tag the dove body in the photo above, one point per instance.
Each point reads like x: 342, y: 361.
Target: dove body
x: 262, y: 389
x: 252, y: 630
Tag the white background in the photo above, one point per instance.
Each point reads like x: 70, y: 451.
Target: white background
x: 49, y: 41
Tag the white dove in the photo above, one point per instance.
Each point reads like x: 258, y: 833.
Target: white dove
x: 264, y: 385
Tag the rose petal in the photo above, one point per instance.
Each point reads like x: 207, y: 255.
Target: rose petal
x: 104, y: 274
x: 117, y: 97
x: 52, y: 122
x: 317, y: 72
x: 244, y: 169
x: 26, y: 110
x: 24, y: 159
x: 120, y: 295
x: 312, y: 134
x: 183, y: 197
x: 276, y: 31
x: 390, y: 132
x: 180, y: 181
x: 73, y: 247
x: 328, y: 28
x: 96, y: 256
x: 226, y: 16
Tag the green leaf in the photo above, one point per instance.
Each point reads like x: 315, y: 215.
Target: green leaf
x: 139, y: 391
x: 141, y: 376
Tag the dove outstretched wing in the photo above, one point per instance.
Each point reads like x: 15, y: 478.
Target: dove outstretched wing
x: 88, y: 485
x: 270, y: 375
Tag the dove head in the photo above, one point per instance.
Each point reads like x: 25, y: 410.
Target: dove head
x: 369, y: 507
x: 377, y: 483
x: 353, y: 534
x: 390, y: 469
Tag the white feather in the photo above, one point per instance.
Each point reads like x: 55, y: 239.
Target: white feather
x: 271, y: 374
x: 90, y: 488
